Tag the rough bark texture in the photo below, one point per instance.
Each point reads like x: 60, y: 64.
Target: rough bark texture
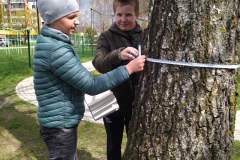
x: 187, y: 112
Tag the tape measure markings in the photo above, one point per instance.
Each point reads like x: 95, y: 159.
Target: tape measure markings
x: 191, y: 64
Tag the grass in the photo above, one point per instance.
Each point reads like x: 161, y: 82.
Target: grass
x: 19, y: 129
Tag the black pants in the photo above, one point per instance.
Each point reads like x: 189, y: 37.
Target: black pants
x: 61, y: 143
x: 114, y: 127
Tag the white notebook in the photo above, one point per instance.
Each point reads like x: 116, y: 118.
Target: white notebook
x: 102, y: 104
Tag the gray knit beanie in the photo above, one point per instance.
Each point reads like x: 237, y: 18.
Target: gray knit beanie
x: 52, y: 10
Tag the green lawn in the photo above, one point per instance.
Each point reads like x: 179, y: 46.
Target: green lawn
x: 19, y: 130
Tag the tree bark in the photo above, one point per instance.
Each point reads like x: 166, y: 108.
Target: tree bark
x: 187, y: 112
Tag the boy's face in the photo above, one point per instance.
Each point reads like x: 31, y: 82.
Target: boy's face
x: 67, y: 24
x: 125, y: 17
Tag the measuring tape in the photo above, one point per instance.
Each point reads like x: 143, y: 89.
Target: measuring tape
x: 190, y: 64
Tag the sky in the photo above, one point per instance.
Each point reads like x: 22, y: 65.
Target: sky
x: 84, y: 2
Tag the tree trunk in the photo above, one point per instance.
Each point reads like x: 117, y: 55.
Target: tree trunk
x: 185, y: 112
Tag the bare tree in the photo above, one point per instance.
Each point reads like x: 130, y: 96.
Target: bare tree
x: 9, y: 13
x: 183, y: 112
x: 1, y: 14
x: 82, y: 17
x: 102, y: 11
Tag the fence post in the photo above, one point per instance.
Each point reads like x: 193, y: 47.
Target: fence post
x: 92, y: 44
x: 82, y: 47
x: 29, y: 55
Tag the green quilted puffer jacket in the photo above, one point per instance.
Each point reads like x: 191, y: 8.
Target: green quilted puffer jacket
x: 60, y: 81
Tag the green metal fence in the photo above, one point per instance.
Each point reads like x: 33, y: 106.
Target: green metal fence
x: 84, y: 44
x: 84, y: 41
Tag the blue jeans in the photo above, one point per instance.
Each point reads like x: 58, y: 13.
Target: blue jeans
x: 61, y: 142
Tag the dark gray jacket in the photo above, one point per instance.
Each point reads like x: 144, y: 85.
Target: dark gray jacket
x: 110, y: 43
x: 60, y: 81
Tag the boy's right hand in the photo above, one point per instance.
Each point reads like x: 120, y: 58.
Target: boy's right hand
x: 128, y: 53
x: 136, y: 65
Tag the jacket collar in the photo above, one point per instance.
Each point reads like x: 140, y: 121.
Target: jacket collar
x: 50, y: 33
x: 126, y: 34
x: 55, y: 31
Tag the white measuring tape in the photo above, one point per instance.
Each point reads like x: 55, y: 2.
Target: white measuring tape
x: 190, y: 64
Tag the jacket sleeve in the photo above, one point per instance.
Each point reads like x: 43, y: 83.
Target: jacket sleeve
x: 106, y: 60
x: 66, y: 65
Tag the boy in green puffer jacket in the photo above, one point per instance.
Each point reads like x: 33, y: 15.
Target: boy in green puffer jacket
x: 117, y: 47
x: 60, y: 80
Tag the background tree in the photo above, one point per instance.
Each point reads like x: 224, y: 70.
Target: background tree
x: 1, y: 14
x: 9, y: 14
x: 91, y: 35
x: 187, y: 112
x: 91, y: 32
x: 104, y: 7
x: 20, y: 18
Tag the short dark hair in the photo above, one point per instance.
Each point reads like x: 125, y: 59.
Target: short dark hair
x: 134, y: 3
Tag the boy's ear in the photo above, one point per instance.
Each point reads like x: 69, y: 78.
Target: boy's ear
x: 137, y: 14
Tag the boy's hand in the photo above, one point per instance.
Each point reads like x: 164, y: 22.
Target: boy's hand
x: 136, y: 65
x: 129, y: 53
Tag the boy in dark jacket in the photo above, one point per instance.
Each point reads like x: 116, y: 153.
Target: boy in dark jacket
x: 60, y: 80
x: 117, y: 47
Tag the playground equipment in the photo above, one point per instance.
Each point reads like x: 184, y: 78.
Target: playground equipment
x: 84, y: 41
x: 20, y: 39
x: 24, y: 38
